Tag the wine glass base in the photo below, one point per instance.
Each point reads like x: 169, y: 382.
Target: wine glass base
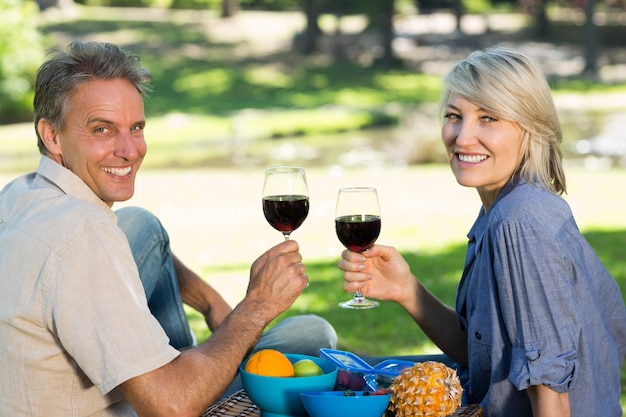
x: 359, y: 304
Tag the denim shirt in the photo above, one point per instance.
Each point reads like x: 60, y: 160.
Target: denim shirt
x: 539, y: 308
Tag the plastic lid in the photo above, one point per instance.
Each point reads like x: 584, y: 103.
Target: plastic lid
x: 392, y: 367
x: 346, y: 360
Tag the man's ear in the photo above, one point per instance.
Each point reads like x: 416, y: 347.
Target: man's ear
x: 48, y: 135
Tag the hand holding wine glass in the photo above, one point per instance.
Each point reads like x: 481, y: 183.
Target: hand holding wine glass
x: 285, y: 198
x: 357, y: 222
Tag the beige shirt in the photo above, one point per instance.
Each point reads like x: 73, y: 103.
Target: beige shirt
x: 74, y: 320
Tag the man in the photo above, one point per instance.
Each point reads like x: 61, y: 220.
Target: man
x: 91, y: 319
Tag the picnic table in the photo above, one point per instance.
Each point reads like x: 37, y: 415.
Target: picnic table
x: 239, y: 405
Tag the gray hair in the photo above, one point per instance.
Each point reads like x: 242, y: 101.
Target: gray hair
x: 59, y: 77
x: 509, y: 85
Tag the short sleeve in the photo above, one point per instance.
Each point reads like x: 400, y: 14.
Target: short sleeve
x: 535, y: 294
x: 97, y: 307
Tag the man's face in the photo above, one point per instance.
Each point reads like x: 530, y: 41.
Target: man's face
x: 102, y: 140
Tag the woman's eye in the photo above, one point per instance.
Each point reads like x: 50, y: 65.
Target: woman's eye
x: 488, y: 119
x: 451, y: 116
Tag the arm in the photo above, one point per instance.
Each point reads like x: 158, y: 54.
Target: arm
x: 196, y: 378
x: 201, y: 296
x: 548, y: 403
x: 382, y: 273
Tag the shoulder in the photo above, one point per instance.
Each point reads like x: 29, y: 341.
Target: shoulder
x: 527, y: 203
x: 45, y: 215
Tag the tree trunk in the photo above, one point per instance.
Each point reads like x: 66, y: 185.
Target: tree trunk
x: 229, y: 8
x: 458, y: 14
x: 312, y: 31
x: 386, y: 28
x: 61, y: 4
x: 592, y: 41
x: 542, y: 23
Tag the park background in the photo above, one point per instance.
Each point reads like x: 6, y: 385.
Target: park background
x: 237, y: 88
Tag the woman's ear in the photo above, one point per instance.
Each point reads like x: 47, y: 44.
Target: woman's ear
x: 49, y: 137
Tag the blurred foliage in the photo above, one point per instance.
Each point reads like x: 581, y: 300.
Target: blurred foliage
x: 21, y: 53
x: 276, y: 5
x: 168, y: 4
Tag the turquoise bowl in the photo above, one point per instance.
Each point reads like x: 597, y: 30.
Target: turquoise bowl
x: 280, y: 396
x: 337, y: 404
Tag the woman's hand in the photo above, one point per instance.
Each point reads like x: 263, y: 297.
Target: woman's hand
x: 380, y: 272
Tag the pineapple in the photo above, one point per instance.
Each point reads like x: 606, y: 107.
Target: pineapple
x: 426, y: 389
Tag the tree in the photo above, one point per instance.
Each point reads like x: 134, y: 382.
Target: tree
x: 380, y: 14
x: 385, y: 25
x: 229, y: 7
x: 61, y: 4
x: 537, y: 9
x: 312, y: 32
x: 21, y: 53
x: 592, y: 41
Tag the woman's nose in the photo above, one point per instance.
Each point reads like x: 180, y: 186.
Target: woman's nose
x: 465, y: 133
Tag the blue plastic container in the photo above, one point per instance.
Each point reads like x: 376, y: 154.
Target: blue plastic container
x: 280, y: 396
x: 337, y: 404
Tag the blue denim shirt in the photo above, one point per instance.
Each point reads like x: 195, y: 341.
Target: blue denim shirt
x: 539, y: 308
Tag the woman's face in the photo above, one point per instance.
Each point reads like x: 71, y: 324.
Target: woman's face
x: 483, y: 151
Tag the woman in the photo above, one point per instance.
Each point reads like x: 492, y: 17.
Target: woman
x: 539, y: 327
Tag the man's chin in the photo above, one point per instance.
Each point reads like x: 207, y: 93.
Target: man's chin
x: 117, y: 198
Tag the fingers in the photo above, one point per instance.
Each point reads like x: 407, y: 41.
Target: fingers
x: 303, y: 274
x: 352, y: 261
x: 286, y: 246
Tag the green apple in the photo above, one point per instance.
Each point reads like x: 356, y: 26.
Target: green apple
x: 306, y: 367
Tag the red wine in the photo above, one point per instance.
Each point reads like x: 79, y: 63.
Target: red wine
x: 357, y: 232
x: 285, y: 212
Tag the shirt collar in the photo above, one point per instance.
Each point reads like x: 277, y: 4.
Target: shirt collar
x: 475, y: 235
x: 70, y: 183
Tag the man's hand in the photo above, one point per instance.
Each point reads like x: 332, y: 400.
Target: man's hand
x: 277, y: 278
x: 196, y: 378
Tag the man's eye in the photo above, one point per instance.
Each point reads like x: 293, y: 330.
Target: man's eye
x: 101, y: 130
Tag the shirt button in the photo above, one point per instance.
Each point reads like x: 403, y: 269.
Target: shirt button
x: 477, y: 335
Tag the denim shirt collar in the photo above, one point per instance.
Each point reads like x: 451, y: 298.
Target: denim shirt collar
x: 474, y: 242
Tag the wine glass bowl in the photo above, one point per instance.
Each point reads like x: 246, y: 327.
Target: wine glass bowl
x: 357, y: 223
x: 285, y: 198
x: 358, y: 232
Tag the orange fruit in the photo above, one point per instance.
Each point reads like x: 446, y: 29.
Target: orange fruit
x: 269, y: 362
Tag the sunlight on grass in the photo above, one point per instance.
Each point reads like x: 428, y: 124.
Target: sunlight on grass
x: 358, y: 98
x: 213, y: 81
x: 268, y: 76
x: 427, y: 86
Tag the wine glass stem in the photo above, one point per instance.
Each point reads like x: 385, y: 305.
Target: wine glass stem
x: 286, y: 236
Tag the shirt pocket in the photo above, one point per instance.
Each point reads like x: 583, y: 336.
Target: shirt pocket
x: 479, y: 345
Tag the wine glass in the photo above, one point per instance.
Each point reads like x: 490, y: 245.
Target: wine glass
x: 357, y: 222
x: 285, y: 198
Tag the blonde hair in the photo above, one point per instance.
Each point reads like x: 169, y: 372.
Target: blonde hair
x: 509, y: 85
